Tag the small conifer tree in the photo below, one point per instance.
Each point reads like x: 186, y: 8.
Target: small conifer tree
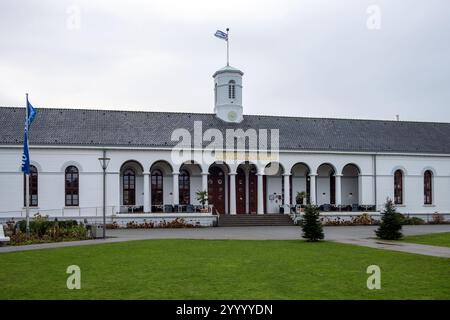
x: 311, y: 225
x: 390, y: 227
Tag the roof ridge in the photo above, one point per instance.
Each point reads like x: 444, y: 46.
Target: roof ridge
x: 245, y: 115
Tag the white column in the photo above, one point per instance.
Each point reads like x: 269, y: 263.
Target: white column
x: 205, y: 183
x: 287, y: 193
x: 175, y: 193
x: 232, y: 193
x: 260, y: 194
x: 146, y: 192
x: 338, y: 189
x: 117, y: 201
x: 313, y: 188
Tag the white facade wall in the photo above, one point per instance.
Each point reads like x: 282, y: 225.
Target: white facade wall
x: 350, y: 192
x: 274, y: 197
x: 51, y: 163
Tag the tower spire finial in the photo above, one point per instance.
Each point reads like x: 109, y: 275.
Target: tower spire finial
x: 228, y: 46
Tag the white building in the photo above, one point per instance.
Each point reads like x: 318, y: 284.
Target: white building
x: 344, y: 165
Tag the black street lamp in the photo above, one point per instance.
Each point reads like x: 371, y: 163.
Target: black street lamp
x: 104, y: 161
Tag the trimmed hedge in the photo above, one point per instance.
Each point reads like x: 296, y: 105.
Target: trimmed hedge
x: 40, y: 226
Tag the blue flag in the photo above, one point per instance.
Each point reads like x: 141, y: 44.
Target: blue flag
x: 31, y: 113
x: 26, y: 154
x: 221, y: 35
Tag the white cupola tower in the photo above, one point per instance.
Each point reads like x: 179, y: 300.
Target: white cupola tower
x: 228, y: 94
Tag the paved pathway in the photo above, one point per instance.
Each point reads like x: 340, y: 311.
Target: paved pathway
x: 354, y: 235
x: 401, y: 246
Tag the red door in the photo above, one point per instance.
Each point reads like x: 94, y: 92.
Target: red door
x: 253, y: 191
x: 240, y: 191
x: 216, y: 189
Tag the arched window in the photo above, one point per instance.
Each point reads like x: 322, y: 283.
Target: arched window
x: 428, y: 187
x: 231, y: 89
x: 129, y: 187
x: 33, y: 187
x: 398, y: 187
x: 157, y: 187
x: 184, y: 186
x: 72, y: 192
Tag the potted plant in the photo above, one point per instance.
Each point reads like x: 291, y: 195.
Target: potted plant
x: 301, y: 197
x: 202, y: 197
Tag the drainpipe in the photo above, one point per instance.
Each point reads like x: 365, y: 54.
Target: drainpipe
x: 375, y: 179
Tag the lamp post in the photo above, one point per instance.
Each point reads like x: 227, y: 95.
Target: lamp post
x: 104, y: 161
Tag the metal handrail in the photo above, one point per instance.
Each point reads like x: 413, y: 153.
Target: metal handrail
x: 61, y: 212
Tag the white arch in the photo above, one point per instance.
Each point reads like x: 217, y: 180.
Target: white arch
x: 167, y: 163
x: 72, y: 163
x: 259, y: 170
x: 220, y: 164
x: 33, y: 163
x: 304, y: 164
x: 358, y: 168
x: 131, y: 161
x: 279, y: 167
x: 186, y: 166
x: 429, y: 168
x: 405, y: 172
x: 332, y: 166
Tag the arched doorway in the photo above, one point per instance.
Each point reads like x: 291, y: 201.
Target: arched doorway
x: 131, y: 187
x: 326, y: 184
x: 253, y: 189
x: 157, y: 186
x: 246, y: 188
x: 300, y: 183
x: 350, y: 185
x: 240, y: 191
x: 216, y: 188
x: 160, y: 184
x: 189, y: 182
x: 273, y: 181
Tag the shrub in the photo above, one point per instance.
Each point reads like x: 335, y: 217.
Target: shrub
x: 437, y: 218
x: 311, y: 225
x: 175, y: 223
x: 113, y: 225
x: 390, y: 227
x: 365, y: 219
x: 406, y: 220
x: 43, y: 230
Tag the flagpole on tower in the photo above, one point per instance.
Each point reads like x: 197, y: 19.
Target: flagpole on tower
x: 27, y: 178
x: 228, y: 47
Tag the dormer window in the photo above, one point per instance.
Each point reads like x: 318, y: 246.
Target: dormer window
x: 231, y: 89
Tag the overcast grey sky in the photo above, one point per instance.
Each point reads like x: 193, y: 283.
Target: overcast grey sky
x: 300, y: 58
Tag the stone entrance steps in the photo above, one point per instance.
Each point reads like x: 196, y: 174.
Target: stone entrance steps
x: 251, y: 220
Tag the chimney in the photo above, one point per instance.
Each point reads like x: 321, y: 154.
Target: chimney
x: 397, y: 117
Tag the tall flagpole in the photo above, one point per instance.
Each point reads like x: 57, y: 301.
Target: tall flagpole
x: 27, y: 178
x: 228, y: 47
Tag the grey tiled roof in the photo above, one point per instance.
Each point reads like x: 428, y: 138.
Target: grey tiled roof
x: 154, y: 129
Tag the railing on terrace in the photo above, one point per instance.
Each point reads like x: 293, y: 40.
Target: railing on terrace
x: 63, y: 212
x: 168, y: 208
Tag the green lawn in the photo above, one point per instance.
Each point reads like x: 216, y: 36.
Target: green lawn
x: 216, y: 269
x: 434, y: 239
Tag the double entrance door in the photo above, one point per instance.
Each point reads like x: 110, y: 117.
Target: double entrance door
x: 241, y: 191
